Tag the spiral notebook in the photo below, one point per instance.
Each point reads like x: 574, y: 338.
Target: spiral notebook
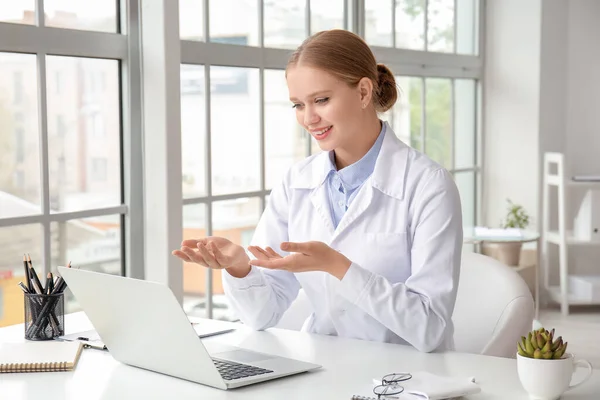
x: 51, y: 356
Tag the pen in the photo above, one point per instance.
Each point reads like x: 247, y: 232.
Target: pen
x: 23, y: 287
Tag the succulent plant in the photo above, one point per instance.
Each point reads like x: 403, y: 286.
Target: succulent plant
x: 541, y: 344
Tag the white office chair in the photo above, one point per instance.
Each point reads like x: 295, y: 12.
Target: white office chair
x: 494, y: 308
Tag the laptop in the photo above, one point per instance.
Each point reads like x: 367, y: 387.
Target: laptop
x: 143, y: 325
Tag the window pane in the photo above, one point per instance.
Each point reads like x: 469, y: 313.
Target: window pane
x: 440, y: 28
x: 90, y: 15
x: 236, y: 221
x: 378, y: 22
x: 325, y: 15
x: 193, y: 130
x: 18, y: 11
x: 194, y: 275
x: 464, y: 123
x: 14, y: 242
x: 410, y: 24
x: 285, y: 23
x: 285, y: 139
x: 93, y: 244
x: 467, y: 23
x: 20, y: 185
x: 191, y: 24
x: 438, y: 120
x: 235, y: 129
x: 407, y: 112
x: 465, y: 181
x: 238, y: 27
x: 84, y: 139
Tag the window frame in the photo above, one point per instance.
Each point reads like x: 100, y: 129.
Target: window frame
x: 42, y: 41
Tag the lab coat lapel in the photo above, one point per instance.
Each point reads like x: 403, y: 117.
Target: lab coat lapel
x: 320, y: 200
x: 357, y: 208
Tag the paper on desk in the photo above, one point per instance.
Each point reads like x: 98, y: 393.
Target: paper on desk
x: 88, y: 338
x: 427, y: 386
x: 92, y: 339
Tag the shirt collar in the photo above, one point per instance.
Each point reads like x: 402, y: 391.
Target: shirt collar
x: 355, y: 174
x: 388, y: 176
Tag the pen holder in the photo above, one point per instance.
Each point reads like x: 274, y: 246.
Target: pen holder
x: 44, y: 316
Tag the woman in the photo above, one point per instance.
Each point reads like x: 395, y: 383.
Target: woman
x: 370, y: 228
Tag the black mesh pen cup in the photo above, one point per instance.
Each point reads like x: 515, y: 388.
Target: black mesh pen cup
x: 44, y: 316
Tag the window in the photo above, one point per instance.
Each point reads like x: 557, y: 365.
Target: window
x: 72, y: 180
x: 61, y: 196
x: 20, y: 145
x: 99, y: 166
x: 233, y: 90
x: 18, y: 87
x: 443, y: 26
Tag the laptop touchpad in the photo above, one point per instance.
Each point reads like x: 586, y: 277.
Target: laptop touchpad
x: 243, y: 356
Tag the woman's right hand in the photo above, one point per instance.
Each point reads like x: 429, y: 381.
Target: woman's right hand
x: 216, y: 253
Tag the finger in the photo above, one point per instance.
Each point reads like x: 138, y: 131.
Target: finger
x: 182, y: 255
x: 304, y: 248
x: 279, y: 263
x: 210, y: 259
x: 194, y: 256
x: 258, y: 252
x: 219, y: 257
x: 272, y: 252
x: 193, y: 242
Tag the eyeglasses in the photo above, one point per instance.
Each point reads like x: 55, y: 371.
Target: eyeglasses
x: 390, y: 384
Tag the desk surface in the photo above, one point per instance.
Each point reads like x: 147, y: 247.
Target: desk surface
x: 348, y: 367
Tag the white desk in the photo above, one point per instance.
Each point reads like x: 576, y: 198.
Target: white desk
x: 348, y: 367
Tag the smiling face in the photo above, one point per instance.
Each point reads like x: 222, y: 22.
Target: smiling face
x: 328, y: 108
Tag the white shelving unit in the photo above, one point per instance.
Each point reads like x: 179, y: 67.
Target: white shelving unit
x: 561, y: 237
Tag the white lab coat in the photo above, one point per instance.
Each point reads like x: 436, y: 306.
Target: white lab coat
x: 403, y: 234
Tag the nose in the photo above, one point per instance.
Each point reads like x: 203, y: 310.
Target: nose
x: 311, y: 117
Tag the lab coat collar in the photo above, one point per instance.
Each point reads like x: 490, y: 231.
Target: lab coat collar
x: 388, y: 176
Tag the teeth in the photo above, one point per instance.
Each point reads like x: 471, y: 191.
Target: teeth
x: 322, y: 131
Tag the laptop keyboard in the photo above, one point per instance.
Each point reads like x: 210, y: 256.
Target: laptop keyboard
x: 230, y: 370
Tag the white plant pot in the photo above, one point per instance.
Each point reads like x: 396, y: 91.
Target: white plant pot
x: 549, y: 379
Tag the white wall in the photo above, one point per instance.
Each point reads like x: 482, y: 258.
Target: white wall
x: 511, y: 107
x: 542, y: 72
x: 583, y: 86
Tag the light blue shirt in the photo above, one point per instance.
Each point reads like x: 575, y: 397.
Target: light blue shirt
x: 342, y: 186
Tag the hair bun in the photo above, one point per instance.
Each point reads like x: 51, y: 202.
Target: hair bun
x: 387, y: 92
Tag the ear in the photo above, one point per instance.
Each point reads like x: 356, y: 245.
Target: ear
x: 365, y: 88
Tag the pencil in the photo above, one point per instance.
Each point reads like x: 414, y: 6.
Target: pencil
x: 49, y: 283
x: 27, y: 277
x: 37, y: 285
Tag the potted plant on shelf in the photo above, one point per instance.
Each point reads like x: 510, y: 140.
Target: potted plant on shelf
x: 544, y: 367
x: 509, y: 251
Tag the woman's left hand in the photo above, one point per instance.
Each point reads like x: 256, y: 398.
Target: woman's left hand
x: 307, y: 256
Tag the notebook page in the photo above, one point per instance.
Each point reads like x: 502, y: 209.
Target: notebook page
x: 40, y: 352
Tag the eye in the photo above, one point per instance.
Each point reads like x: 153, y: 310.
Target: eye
x: 296, y: 105
x: 323, y: 100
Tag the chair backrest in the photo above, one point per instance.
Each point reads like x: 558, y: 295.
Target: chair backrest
x: 494, y: 308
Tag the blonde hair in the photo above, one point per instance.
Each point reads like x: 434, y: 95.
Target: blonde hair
x: 348, y: 57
